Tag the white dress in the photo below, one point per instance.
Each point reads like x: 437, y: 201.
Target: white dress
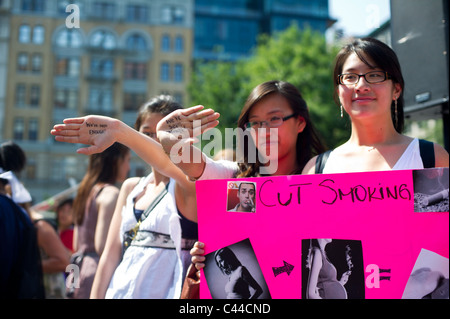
x: 410, y: 159
x: 151, y: 272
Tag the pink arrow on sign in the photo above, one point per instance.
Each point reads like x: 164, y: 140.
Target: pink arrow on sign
x: 287, y: 268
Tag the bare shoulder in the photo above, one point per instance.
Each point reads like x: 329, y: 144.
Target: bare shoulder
x: 109, y: 193
x: 310, y: 166
x: 441, y: 156
x: 129, y: 184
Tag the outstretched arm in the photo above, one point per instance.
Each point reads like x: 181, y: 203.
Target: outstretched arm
x: 100, y: 132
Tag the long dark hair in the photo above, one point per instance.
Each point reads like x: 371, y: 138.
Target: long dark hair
x: 308, y: 141
x: 228, y: 255
x: 103, y: 168
x: 384, y: 58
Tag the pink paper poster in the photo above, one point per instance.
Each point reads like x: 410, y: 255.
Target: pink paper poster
x: 352, y: 236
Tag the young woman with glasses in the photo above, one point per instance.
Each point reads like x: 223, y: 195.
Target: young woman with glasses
x: 369, y: 88
x: 275, y: 117
x: 272, y: 104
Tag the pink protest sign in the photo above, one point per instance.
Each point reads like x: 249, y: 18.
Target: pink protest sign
x: 357, y: 235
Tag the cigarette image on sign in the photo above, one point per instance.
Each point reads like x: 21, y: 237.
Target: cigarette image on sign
x: 431, y: 190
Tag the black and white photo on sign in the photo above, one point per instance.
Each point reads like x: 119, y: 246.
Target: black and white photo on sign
x: 431, y: 190
x: 233, y: 272
x: 429, y: 278
x: 332, y: 269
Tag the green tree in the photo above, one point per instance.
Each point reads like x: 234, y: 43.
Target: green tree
x: 301, y: 57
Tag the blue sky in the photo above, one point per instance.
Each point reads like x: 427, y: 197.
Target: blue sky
x: 359, y: 17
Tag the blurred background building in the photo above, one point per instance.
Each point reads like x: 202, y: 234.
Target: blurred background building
x: 228, y: 30
x: 122, y: 53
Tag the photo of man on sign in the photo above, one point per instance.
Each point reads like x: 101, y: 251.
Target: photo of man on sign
x: 241, y: 199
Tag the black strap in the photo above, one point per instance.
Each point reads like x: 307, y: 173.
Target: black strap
x: 320, y: 161
x: 427, y: 153
x: 154, y: 203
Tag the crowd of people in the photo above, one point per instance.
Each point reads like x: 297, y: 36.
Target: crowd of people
x: 138, y: 241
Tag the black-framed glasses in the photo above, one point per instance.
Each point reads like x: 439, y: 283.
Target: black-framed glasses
x: 274, y: 121
x: 370, y: 77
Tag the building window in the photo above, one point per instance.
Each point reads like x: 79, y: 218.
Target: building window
x: 20, y: 95
x: 136, y: 42
x: 135, y: 71
x: 30, y: 170
x: 33, y: 5
x: 104, y: 10
x: 62, y: 5
x: 178, y: 72
x: 137, y: 13
x: 38, y: 34
x: 165, y: 43
x: 18, y: 129
x: 100, y: 99
x: 22, y: 62
x: 65, y: 99
x: 69, y: 38
x: 24, y: 33
x: 178, y: 15
x: 67, y: 67
x: 33, y: 129
x: 103, y: 67
x: 35, y: 95
x: 179, y: 44
x: 132, y: 101
x: 172, y: 15
x: 103, y: 39
x: 165, y: 72
x: 36, y: 63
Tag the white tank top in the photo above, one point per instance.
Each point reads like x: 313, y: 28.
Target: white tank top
x: 410, y: 159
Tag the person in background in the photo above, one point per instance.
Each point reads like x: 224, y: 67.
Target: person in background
x: 78, y: 130
x: 64, y: 221
x: 143, y: 268
x: 12, y: 161
x: 20, y: 266
x: 53, y: 256
x: 93, y: 209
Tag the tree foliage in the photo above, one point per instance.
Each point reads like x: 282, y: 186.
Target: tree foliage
x: 301, y: 57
